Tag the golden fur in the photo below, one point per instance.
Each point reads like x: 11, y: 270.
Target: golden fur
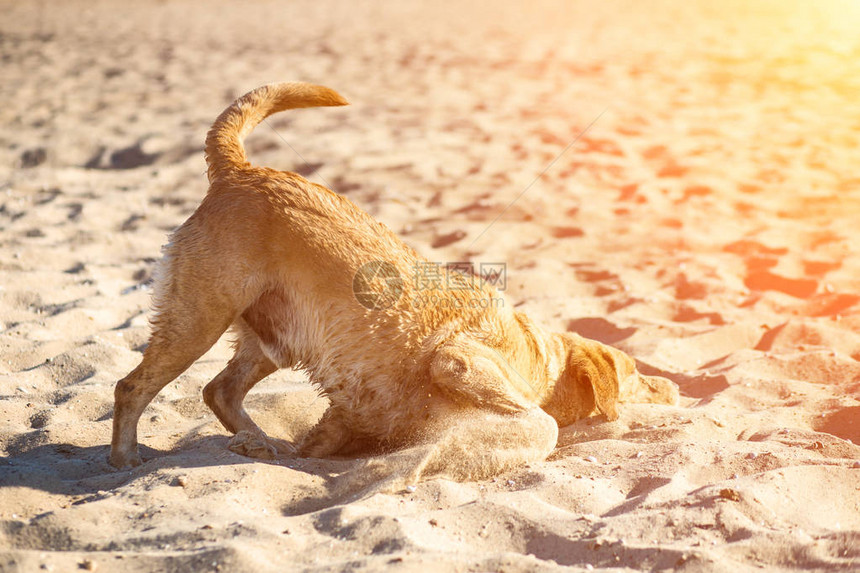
x: 475, y: 386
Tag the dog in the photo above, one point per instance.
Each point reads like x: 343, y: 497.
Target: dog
x: 306, y: 279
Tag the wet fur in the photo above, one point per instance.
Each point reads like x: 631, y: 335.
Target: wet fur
x: 468, y: 388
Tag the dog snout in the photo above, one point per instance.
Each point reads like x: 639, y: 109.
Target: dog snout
x: 661, y: 390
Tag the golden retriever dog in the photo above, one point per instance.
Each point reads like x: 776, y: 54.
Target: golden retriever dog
x: 308, y: 280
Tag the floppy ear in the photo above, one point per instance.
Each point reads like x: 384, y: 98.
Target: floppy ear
x: 588, y: 379
x: 604, y: 382
x: 598, y: 367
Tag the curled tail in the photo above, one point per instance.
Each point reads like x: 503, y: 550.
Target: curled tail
x: 224, y: 150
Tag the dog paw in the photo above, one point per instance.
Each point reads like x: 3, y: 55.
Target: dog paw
x: 124, y: 460
x: 314, y: 450
x: 283, y: 447
x: 260, y: 446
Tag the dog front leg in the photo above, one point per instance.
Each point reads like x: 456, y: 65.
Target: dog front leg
x: 467, y: 445
x: 329, y: 435
x: 224, y: 395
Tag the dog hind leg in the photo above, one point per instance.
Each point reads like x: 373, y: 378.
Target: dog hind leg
x: 185, y: 329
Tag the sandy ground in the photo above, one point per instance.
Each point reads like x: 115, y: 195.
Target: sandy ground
x: 707, y: 223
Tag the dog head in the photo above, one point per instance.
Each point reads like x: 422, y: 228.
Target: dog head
x: 592, y: 375
x: 643, y: 389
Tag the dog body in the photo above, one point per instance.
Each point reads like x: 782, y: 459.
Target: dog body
x: 308, y: 280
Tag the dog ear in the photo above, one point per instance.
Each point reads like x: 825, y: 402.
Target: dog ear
x: 589, y: 378
x: 605, y: 383
x: 597, y: 367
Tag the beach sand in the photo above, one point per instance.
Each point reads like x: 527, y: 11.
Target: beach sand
x: 677, y: 179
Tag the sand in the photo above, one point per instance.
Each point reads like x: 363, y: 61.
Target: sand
x: 706, y: 223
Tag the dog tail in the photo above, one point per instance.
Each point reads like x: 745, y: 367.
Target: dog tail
x: 224, y: 150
